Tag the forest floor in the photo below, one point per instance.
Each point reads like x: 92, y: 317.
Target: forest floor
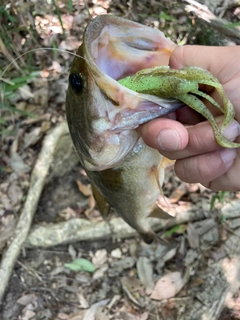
x: 123, y: 278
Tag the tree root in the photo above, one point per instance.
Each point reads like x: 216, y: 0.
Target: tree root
x: 38, y: 177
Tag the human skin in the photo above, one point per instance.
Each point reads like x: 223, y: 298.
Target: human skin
x: 187, y: 138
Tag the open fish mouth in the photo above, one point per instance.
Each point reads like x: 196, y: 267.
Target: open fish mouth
x: 119, y: 50
x: 102, y: 114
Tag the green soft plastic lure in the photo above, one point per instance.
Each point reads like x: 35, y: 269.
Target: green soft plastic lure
x: 183, y: 85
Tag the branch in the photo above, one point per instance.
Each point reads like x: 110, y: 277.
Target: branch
x: 203, y: 13
x: 38, y: 177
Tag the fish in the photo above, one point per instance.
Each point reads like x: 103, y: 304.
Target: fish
x: 103, y: 116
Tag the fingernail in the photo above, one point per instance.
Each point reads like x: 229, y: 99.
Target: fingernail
x: 228, y: 155
x: 232, y: 131
x: 168, y: 139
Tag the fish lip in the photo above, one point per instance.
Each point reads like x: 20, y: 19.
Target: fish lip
x: 107, y: 41
x: 111, y: 112
x: 136, y: 118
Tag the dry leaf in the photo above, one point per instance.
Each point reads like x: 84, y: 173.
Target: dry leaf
x: 90, y: 314
x: 27, y: 299
x: 25, y: 92
x: 145, y: 273
x: 15, y: 193
x: 91, y: 206
x: 177, y: 194
x: 193, y: 238
x: 84, y: 189
x: 17, y: 164
x: 132, y: 286
x: 100, y: 257
x: 168, y: 286
x: 102, y: 313
x: 83, y: 303
x: 32, y: 137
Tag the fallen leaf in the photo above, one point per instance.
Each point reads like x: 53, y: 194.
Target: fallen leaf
x: 26, y: 299
x: 32, y: 137
x: 132, y: 287
x: 168, y: 286
x: 177, y: 194
x: 145, y: 273
x: 102, y: 313
x: 90, y: 314
x: 84, y: 189
x: 116, y: 253
x: 193, y: 237
x: 82, y: 301
x: 15, y: 193
x: 100, y: 257
x: 17, y: 164
x: 25, y: 92
x: 80, y: 264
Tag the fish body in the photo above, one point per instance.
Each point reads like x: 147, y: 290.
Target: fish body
x: 103, y: 116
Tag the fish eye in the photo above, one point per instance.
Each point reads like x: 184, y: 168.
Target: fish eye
x: 76, y: 82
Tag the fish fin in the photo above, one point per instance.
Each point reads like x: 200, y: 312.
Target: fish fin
x: 103, y: 206
x: 151, y: 237
x: 148, y: 239
x: 160, y: 171
x: 166, y: 162
x: 157, y: 212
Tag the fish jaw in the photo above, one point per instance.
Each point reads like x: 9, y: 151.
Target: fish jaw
x: 103, y: 115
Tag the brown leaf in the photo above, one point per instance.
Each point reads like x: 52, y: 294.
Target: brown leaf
x: 168, y: 286
x: 84, y: 189
x: 177, y: 194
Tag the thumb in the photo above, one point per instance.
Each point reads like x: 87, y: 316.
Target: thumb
x: 185, y: 56
x: 222, y: 62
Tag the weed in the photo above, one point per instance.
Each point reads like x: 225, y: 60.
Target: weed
x: 220, y: 196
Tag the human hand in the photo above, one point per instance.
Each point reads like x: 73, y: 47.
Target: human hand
x: 190, y: 140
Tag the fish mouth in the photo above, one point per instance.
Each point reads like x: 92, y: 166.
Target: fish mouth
x: 120, y: 49
x: 114, y: 48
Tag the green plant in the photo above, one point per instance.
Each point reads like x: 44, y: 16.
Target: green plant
x: 220, y: 197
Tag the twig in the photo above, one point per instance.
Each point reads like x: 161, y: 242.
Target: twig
x: 202, y: 12
x: 38, y: 177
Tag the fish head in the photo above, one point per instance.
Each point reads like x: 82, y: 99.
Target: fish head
x: 101, y: 113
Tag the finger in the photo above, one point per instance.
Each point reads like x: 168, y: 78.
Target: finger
x: 188, y: 116
x: 201, y: 140
x: 230, y: 181
x: 206, y: 168
x: 164, y: 134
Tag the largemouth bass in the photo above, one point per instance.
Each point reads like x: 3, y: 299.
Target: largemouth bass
x: 102, y: 116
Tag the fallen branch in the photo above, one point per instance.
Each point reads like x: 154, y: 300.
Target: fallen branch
x: 38, y: 177
x: 47, y: 235
x: 203, y: 13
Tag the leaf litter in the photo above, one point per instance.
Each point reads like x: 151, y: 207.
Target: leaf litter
x: 138, y: 278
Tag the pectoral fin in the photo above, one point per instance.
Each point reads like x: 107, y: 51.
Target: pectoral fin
x: 103, y: 205
x: 160, y: 214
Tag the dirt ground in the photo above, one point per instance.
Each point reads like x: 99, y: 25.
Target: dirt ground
x: 184, y: 278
